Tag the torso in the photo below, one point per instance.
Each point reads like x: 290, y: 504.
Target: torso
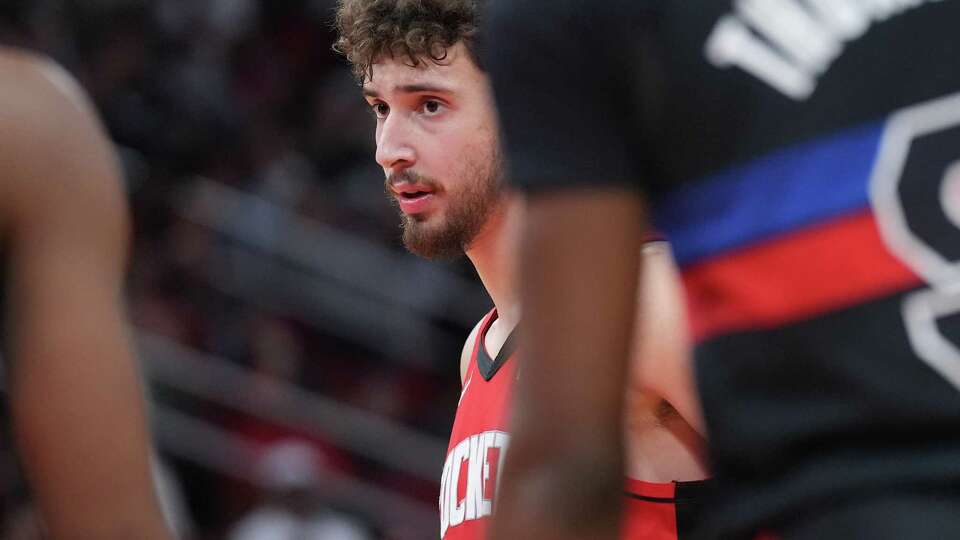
x: 478, y: 442
x: 657, y: 508
x: 801, y: 159
x: 813, y: 304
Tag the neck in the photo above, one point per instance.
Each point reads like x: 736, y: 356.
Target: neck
x: 494, y: 255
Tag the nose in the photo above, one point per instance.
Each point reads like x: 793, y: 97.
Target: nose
x: 395, y: 150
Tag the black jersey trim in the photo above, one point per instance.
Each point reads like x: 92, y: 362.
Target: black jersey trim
x: 488, y: 367
x: 684, y: 492
x: 644, y: 498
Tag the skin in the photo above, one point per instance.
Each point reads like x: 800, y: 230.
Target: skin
x: 565, y: 484
x: 74, y: 388
x: 438, y: 122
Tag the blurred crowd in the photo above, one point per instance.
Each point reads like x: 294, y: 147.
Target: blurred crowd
x: 303, y: 368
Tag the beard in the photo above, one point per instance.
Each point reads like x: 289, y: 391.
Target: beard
x: 449, y: 236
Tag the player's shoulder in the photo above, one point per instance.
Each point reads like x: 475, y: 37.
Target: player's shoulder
x: 30, y: 82
x: 656, y: 246
x: 527, y: 17
x: 50, y: 136
x: 42, y: 107
x: 550, y: 40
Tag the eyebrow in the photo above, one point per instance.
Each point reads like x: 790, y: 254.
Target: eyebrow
x: 412, y: 89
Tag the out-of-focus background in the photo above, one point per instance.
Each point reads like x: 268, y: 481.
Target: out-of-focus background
x: 302, y: 366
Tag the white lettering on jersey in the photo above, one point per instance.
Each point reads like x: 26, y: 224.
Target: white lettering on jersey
x: 456, y: 507
x: 444, y: 484
x: 732, y: 44
x: 789, y: 44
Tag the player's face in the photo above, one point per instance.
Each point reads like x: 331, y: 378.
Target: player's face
x: 437, y: 143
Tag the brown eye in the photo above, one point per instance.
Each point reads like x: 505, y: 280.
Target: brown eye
x: 432, y: 106
x: 381, y: 110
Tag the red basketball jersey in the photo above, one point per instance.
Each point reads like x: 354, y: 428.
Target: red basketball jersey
x: 478, y: 446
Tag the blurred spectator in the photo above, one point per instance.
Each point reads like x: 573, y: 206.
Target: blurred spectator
x: 290, y: 473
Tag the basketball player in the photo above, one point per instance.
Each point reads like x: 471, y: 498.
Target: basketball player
x: 802, y: 158
x: 438, y: 144
x: 75, y: 394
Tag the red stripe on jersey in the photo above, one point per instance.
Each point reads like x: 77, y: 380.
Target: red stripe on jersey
x: 803, y: 274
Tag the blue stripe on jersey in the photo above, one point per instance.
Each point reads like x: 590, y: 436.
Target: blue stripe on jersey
x: 771, y: 195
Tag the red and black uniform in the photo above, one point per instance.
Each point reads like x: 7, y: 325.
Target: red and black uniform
x: 478, y: 445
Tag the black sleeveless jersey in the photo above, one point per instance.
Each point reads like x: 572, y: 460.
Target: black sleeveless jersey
x: 803, y: 157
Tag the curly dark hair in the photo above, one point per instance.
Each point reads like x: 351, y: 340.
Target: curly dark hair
x: 416, y: 30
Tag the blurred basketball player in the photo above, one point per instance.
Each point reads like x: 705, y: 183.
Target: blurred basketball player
x: 438, y: 144
x: 802, y: 157
x: 75, y: 394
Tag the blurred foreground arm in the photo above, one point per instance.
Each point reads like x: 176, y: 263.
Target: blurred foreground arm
x: 75, y: 390
x: 567, y: 100
x: 563, y: 477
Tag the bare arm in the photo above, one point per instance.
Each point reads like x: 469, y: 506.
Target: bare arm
x: 662, y: 351
x: 564, y: 472
x: 75, y: 391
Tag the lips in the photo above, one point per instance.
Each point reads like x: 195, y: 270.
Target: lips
x: 412, y: 198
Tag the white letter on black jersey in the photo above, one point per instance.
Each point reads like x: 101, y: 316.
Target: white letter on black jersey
x: 792, y: 28
x: 732, y: 44
x: 845, y: 17
x: 884, y: 9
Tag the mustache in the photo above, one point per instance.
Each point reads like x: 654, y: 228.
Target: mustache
x: 410, y: 177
